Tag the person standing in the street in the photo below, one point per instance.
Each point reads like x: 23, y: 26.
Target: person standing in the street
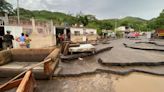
x: 27, y: 41
x: 7, y: 40
x: 21, y: 40
x: 58, y: 39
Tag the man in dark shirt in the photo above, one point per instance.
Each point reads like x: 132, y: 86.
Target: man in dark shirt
x: 7, y: 40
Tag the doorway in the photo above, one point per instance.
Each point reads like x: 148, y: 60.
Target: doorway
x: 68, y: 34
x: 59, y: 32
x: 2, y: 33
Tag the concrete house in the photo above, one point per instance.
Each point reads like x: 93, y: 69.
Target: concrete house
x: 75, y: 34
x: 39, y: 31
x: 43, y: 33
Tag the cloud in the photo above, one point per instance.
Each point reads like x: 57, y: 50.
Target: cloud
x: 101, y: 8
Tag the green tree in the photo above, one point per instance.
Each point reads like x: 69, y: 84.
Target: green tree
x: 5, y: 7
x: 151, y: 24
x: 91, y: 17
x: 106, y: 25
x: 124, y: 23
x: 82, y: 19
x: 160, y: 21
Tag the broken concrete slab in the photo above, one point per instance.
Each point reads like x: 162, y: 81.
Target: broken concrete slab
x: 89, y: 69
x: 144, y: 46
x: 128, y: 63
x: 76, y: 56
x: 119, y: 55
x: 157, y: 43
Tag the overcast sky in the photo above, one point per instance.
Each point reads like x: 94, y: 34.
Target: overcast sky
x: 102, y: 9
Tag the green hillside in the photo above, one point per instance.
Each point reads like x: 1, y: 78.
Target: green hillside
x: 90, y: 21
x: 57, y: 17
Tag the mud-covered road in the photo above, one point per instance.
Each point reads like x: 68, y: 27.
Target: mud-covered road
x: 112, y: 74
x: 89, y: 75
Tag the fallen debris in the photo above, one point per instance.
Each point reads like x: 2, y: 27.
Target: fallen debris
x: 128, y: 63
x: 76, y: 56
x: 82, y: 48
x: 66, y: 49
x: 43, y: 61
x: 140, y: 46
x: 25, y: 84
x: 81, y: 59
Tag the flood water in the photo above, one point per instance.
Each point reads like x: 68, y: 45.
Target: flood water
x: 104, y: 82
x: 138, y: 82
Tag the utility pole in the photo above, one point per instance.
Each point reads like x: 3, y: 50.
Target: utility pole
x: 18, y: 12
x: 115, y: 25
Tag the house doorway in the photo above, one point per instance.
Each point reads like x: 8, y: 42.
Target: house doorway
x: 68, y: 34
x: 2, y: 33
x: 59, y: 32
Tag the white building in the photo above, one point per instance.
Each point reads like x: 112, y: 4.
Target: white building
x: 76, y: 34
x: 83, y: 34
x: 124, y: 29
x: 4, y: 20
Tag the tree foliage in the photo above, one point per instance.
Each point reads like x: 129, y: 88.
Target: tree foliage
x: 106, y: 25
x: 159, y: 23
x: 82, y: 19
x: 89, y: 21
x: 5, y: 7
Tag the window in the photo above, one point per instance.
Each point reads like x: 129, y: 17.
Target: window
x: 91, y: 33
x: 77, y: 33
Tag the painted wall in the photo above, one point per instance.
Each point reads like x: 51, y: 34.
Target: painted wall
x: 40, y: 38
x: 16, y: 32
x: 85, y: 33
x: 81, y: 30
x: 91, y: 31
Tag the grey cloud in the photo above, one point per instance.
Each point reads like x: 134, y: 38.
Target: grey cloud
x: 101, y: 8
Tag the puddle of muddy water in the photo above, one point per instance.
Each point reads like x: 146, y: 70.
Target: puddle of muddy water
x: 138, y: 82
x: 103, y: 82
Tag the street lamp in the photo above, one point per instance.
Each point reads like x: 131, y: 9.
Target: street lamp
x: 18, y: 12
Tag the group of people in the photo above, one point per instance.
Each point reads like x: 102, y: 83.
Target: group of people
x: 60, y: 39
x: 23, y: 40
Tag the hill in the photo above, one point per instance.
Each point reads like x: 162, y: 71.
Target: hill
x: 89, y: 20
x: 57, y: 17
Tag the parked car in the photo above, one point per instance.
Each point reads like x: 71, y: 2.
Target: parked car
x: 133, y: 35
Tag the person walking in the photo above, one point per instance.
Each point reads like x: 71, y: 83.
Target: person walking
x: 21, y: 40
x: 58, y: 39
x: 7, y: 40
x: 27, y: 41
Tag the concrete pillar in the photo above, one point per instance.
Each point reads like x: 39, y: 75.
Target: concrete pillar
x: 6, y: 19
x: 52, y: 33
x: 65, y: 34
x: 34, y: 30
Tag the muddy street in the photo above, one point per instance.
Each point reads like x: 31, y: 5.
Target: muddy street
x: 119, y: 54
x: 103, y: 82
x: 89, y: 75
x: 120, y: 69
